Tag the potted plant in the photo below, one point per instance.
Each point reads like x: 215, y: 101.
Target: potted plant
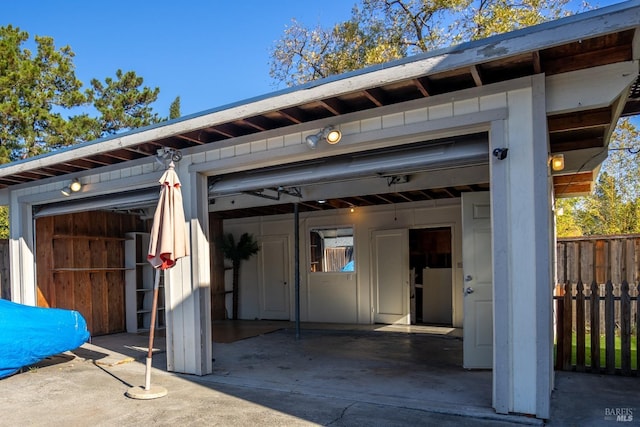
x: 238, y: 252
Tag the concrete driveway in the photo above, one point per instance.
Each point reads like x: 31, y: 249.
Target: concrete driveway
x: 350, y: 377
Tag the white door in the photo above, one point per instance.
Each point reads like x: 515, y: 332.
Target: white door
x: 390, y: 275
x: 274, y: 278
x: 478, y: 281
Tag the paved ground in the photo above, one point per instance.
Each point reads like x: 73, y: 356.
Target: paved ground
x: 273, y: 380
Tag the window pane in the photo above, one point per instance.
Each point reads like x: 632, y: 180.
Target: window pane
x: 331, y: 249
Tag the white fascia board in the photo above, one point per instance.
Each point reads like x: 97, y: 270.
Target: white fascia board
x: 578, y: 90
x: 587, y: 25
x: 448, y: 127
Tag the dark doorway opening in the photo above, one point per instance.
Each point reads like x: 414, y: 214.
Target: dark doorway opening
x: 431, y: 273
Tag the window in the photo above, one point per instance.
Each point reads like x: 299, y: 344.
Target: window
x: 331, y: 249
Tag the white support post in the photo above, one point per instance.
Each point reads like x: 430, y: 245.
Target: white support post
x: 543, y: 192
x: 501, y: 271
x: 521, y: 202
x: 21, y: 253
x: 188, y: 287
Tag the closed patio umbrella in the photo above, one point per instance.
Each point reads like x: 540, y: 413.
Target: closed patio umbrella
x: 168, y: 242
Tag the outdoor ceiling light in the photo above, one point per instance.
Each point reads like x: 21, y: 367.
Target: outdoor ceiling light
x: 557, y: 162
x: 333, y: 136
x: 329, y: 134
x: 74, y: 187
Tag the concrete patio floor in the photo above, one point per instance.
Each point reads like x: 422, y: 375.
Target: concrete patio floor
x: 263, y: 375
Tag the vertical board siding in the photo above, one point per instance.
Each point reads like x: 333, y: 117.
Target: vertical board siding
x: 80, y: 260
x: 597, y: 304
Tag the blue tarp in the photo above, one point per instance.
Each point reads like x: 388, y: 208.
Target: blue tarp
x: 30, y: 334
x: 349, y: 266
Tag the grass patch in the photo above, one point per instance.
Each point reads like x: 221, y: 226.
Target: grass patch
x: 617, y: 345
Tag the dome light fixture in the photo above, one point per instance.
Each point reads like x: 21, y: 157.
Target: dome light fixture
x: 329, y: 134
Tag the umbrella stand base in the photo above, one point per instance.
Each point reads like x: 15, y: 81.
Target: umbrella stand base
x: 154, y: 392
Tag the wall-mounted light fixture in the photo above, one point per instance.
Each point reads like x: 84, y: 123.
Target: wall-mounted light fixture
x: 329, y: 134
x: 73, y: 187
x: 557, y: 162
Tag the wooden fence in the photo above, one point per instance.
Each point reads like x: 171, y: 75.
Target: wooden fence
x: 597, y: 307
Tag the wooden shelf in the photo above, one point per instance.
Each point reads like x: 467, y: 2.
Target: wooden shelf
x: 69, y: 236
x: 139, y: 285
x: 89, y: 269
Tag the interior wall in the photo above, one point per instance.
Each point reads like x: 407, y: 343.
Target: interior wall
x: 341, y: 297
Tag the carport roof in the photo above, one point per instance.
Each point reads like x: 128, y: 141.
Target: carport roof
x: 599, y: 37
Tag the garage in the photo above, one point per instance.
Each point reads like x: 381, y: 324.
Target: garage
x: 361, y: 196
x: 456, y: 142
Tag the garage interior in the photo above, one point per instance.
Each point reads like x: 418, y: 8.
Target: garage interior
x: 81, y: 255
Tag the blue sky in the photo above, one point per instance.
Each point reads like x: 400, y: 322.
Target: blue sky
x: 210, y: 53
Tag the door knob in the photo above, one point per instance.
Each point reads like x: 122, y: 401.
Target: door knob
x: 469, y: 290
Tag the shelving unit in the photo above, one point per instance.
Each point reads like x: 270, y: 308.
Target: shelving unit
x: 139, y: 280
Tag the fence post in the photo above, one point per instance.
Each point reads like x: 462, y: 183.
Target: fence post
x: 595, y: 327
x: 625, y: 329
x: 567, y: 328
x: 580, y: 330
x: 559, y: 327
x: 638, y: 329
x: 609, y: 329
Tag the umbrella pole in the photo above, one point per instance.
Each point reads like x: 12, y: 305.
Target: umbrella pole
x: 148, y: 392
x: 152, y: 328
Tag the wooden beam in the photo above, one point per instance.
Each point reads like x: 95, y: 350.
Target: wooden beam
x: 219, y: 131
x: 537, y: 67
x: 588, y: 59
x: 333, y: 106
x: 577, y: 144
x: 253, y: 122
x: 190, y: 139
x: 579, y: 120
x: 248, y: 122
x: 581, y: 177
x: 475, y: 73
x: 579, y: 184
x: 292, y: 115
x: 373, y: 96
x: 423, y: 86
x: 572, y: 190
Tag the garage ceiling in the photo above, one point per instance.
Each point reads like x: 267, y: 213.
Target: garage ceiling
x: 395, y: 167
